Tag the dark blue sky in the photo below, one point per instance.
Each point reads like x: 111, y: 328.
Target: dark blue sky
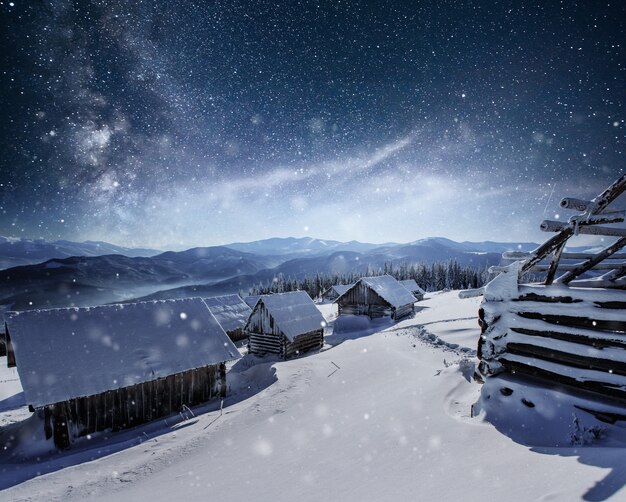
x: 179, y: 124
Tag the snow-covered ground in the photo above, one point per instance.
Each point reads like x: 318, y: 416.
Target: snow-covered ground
x: 382, y: 413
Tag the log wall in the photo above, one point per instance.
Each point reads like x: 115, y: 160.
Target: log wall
x: 236, y: 335
x: 402, y: 312
x: 270, y: 343
x: 130, y: 406
x: 565, y: 336
x: 363, y: 300
x: 304, y: 343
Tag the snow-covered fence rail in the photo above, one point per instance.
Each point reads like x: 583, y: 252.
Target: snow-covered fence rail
x: 564, y: 336
x: 595, y: 212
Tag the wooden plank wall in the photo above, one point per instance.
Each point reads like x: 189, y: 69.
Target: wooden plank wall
x: 551, y: 336
x: 262, y: 322
x: 130, y: 406
x: 268, y: 343
x: 236, y: 334
x: 363, y: 300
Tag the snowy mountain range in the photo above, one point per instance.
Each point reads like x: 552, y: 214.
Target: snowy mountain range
x: 15, y: 251
x: 96, y: 276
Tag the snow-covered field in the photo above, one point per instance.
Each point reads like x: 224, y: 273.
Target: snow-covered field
x: 382, y: 413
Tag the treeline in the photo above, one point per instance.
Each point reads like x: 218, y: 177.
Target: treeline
x: 435, y: 277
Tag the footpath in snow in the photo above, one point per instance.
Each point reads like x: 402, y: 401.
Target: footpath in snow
x: 382, y: 412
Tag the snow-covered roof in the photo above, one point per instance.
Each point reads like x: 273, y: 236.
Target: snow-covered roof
x: 294, y: 313
x: 251, y: 300
x: 340, y: 289
x: 412, y: 286
x: 229, y: 310
x: 67, y: 353
x: 389, y: 290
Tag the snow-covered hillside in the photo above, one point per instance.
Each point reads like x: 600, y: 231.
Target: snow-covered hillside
x: 382, y: 413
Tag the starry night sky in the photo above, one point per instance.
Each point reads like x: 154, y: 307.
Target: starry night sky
x: 173, y: 124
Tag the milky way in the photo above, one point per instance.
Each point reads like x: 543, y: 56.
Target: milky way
x: 173, y: 124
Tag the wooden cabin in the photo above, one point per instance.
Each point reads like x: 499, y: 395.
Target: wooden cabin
x: 377, y: 297
x: 232, y: 313
x: 85, y: 370
x: 569, y: 329
x: 334, y: 292
x: 413, y: 288
x: 286, y: 324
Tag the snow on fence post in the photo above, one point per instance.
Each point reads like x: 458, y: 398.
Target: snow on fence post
x: 503, y: 286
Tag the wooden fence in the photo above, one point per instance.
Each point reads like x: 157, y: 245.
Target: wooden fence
x: 564, y: 336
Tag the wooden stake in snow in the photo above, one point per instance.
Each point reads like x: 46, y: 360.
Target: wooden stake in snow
x: 337, y: 368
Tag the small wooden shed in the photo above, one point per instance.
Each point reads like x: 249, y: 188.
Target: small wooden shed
x: 334, y: 292
x: 286, y: 324
x: 85, y: 370
x: 232, y: 313
x: 413, y: 288
x: 377, y: 297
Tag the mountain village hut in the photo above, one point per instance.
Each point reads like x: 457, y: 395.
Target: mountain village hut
x: 377, y: 297
x: 413, y: 288
x: 232, y: 313
x: 85, y: 370
x: 334, y: 292
x: 286, y: 324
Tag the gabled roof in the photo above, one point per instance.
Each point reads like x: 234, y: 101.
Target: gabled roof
x: 229, y: 310
x: 388, y: 289
x: 67, y: 353
x: 251, y: 300
x: 339, y: 289
x: 412, y: 286
x: 294, y: 313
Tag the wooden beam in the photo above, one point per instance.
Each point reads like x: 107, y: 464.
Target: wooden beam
x: 552, y: 379
x: 598, y: 219
x: 554, y: 264
x: 592, y: 262
x: 559, y: 226
x: 520, y: 255
x: 600, y: 202
x: 577, y: 322
x: 591, y: 341
x: 575, y: 204
x: 615, y: 274
x: 573, y: 266
x: 567, y: 359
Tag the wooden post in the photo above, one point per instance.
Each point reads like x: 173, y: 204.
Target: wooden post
x: 222, y: 380
x: 554, y: 265
x: 60, y: 430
